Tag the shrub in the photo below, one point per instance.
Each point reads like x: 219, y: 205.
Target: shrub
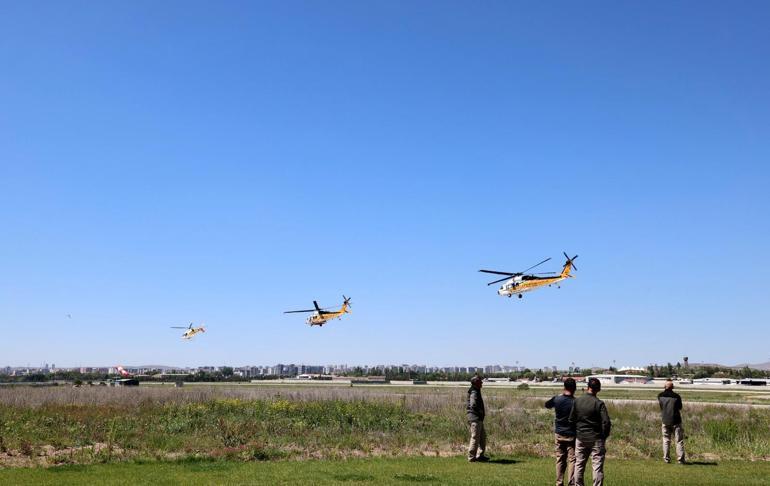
x: 727, y: 432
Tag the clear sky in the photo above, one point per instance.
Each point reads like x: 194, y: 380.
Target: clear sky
x: 167, y: 162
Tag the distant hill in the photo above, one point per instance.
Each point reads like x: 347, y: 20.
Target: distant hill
x: 713, y: 365
x: 758, y: 366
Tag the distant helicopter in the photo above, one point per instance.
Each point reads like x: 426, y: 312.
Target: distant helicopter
x: 320, y: 316
x: 190, y: 331
x: 520, y: 282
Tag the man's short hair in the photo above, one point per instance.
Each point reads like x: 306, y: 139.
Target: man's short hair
x: 476, y: 379
x: 669, y: 385
x: 570, y: 385
x: 594, y: 384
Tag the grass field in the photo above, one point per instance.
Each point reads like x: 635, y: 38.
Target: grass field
x: 351, y: 435
x: 505, y: 470
x: 61, y: 425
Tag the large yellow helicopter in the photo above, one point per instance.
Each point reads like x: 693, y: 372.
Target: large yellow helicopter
x: 519, y: 282
x: 320, y: 316
x: 190, y: 331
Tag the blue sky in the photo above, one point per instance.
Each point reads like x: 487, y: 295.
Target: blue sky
x: 226, y: 161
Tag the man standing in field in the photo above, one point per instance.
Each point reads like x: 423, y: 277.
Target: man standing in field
x: 592, y: 427
x: 476, y: 412
x: 565, y: 432
x: 670, y: 411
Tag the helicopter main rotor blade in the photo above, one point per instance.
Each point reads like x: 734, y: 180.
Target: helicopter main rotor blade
x: 533, y: 266
x: 500, y: 273
x: 496, y: 281
x: 293, y: 312
x: 327, y: 308
x: 179, y: 327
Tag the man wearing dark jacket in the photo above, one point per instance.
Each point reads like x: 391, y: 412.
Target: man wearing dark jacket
x: 592, y: 427
x: 476, y: 412
x: 565, y: 432
x: 670, y: 411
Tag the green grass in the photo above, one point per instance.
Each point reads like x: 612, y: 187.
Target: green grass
x: 508, y: 470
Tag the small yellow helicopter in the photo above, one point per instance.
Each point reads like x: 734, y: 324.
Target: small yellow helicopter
x: 520, y: 282
x: 321, y: 315
x: 190, y: 331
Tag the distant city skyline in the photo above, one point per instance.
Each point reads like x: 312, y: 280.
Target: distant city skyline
x: 486, y: 368
x: 169, y: 162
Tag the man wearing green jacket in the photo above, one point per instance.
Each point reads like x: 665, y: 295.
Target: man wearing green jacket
x: 476, y: 412
x: 592, y: 427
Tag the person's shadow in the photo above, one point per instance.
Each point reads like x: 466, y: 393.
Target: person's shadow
x: 699, y: 463
x: 502, y: 461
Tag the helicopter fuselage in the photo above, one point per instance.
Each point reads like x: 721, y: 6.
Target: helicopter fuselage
x: 525, y: 283
x: 318, y: 319
x: 188, y: 334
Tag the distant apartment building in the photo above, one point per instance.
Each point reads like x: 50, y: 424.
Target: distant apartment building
x: 493, y: 369
x: 285, y: 370
x: 310, y: 370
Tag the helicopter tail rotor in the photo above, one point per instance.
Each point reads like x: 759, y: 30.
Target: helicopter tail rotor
x: 570, y: 261
x: 346, y: 303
